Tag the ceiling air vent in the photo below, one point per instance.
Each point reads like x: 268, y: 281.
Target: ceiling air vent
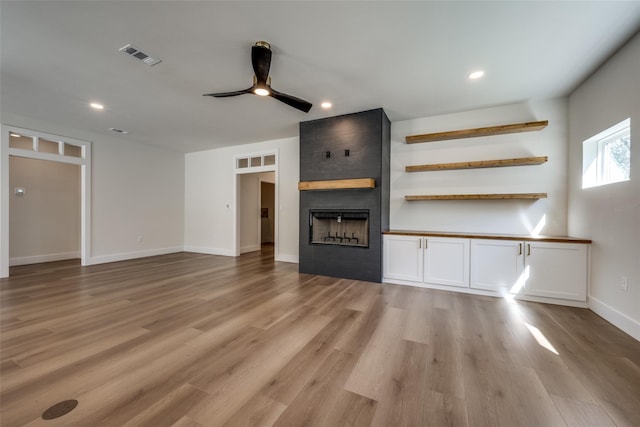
x: 137, y: 53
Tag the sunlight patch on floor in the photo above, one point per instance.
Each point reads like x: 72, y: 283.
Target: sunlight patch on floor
x: 539, y: 336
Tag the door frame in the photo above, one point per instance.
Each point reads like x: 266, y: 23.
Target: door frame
x: 236, y: 196
x: 85, y: 186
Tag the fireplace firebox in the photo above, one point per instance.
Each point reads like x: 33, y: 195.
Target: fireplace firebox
x: 339, y: 227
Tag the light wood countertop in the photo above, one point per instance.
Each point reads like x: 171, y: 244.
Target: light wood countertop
x: 558, y: 239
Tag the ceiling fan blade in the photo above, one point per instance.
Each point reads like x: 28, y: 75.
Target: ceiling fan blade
x: 261, y: 61
x: 294, y: 102
x: 228, y: 94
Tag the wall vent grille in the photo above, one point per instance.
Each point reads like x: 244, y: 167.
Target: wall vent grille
x: 138, y: 54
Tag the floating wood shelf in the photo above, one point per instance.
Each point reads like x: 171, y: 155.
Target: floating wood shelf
x: 523, y: 161
x: 337, y: 184
x: 472, y: 133
x: 477, y: 196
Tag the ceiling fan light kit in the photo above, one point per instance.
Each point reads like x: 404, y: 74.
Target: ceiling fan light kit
x: 261, y: 62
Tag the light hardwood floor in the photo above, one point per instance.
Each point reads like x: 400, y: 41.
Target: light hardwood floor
x: 200, y: 340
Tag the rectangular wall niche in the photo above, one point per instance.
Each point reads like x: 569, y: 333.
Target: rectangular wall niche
x: 343, y: 228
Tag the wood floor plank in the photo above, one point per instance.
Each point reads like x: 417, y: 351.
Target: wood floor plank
x: 186, y: 422
x: 507, y: 396
x: 196, y: 340
x: 288, y: 382
x: 260, y: 411
x: 443, y: 371
x: 609, y: 378
x: 34, y: 390
x: 170, y: 409
x: 582, y: 414
x: 419, y: 316
x: 231, y: 387
x: 323, y: 400
x: 402, y: 400
x: 375, y: 365
x: 445, y: 411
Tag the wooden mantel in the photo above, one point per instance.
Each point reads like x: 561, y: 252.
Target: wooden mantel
x: 337, y: 184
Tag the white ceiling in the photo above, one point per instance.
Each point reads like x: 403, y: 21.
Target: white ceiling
x: 411, y: 58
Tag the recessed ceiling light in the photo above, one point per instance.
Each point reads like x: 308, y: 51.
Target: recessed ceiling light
x: 476, y: 74
x: 326, y: 105
x: 15, y: 135
x: 96, y: 106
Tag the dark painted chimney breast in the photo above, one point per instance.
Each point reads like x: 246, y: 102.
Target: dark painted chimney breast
x: 345, y: 147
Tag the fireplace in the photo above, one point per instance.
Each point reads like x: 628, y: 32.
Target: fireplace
x: 339, y: 227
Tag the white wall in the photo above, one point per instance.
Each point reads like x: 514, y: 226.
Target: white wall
x: 209, y: 198
x: 609, y: 215
x: 44, y: 223
x: 493, y: 216
x: 137, y: 190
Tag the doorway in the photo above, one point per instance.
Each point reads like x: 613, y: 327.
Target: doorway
x: 30, y: 144
x: 267, y: 212
x: 256, y: 203
x: 44, y: 211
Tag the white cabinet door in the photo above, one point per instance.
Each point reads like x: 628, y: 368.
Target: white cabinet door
x: 446, y: 261
x: 556, y: 270
x: 403, y: 257
x: 497, y: 265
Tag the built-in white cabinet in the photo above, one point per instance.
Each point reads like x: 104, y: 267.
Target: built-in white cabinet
x: 543, y: 271
x: 497, y: 265
x: 446, y: 261
x: 402, y: 257
x: 435, y: 260
x: 556, y: 270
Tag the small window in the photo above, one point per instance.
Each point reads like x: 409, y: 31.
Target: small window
x: 72, y: 150
x: 242, y: 163
x: 46, y: 146
x: 606, y: 157
x: 256, y: 162
x: 20, y: 141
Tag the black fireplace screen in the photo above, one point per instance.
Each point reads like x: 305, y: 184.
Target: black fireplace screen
x: 342, y: 228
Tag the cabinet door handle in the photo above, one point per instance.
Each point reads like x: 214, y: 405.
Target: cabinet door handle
x: 519, y: 248
x: 528, y: 249
x: 426, y: 243
x: 420, y: 243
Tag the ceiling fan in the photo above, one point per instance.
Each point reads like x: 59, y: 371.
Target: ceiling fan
x: 261, y: 61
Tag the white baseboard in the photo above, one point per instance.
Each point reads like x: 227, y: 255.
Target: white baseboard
x: 36, y: 259
x: 133, y: 255
x: 251, y: 248
x: 209, y: 251
x: 472, y: 291
x: 288, y: 258
x: 613, y: 316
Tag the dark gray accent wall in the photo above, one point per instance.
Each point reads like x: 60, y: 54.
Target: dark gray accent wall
x: 366, y: 136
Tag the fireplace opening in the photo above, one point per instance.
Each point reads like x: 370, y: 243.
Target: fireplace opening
x: 339, y: 227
